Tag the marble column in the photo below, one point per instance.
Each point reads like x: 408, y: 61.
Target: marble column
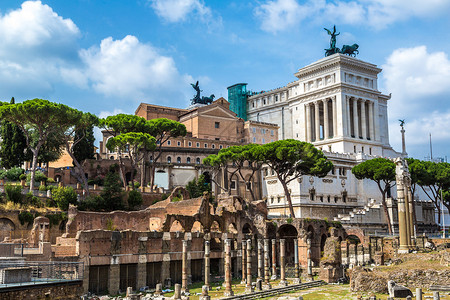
x: 248, y: 286
x: 207, y: 264
x: 334, y: 113
x: 402, y: 225
x: 283, y: 281
x: 407, y: 214
x: 260, y: 260
x: 363, y: 119
x: 309, y: 261
x: 244, y: 264
x: 317, y: 120
x: 266, y: 285
x: 184, y: 275
x: 411, y: 218
x: 274, y: 260
x: 355, y: 118
x: 296, y: 264
x: 371, y: 125
x: 326, y: 133
x: 228, y: 291
x: 308, y: 123
x: 349, y: 124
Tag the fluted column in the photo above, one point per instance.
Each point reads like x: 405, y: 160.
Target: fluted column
x: 371, y: 125
x: 260, y: 260
x: 228, y: 290
x: 349, y: 124
x: 296, y: 264
x: 248, y: 286
x: 334, y: 113
x: 363, y: 119
x: 274, y: 259
x: 244, y: 264
x: 283, y: 281
x: 326, y: 133
x: 355, y: 118
x: 207, y: 263
x: 308, y: 136
x: 184, y: 276
x: 266, y: 265
x: 317, y: 120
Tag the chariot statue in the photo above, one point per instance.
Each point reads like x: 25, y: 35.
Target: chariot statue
x: 198, y: 99
x: 350, y: 50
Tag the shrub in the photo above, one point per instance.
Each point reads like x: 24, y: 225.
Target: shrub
x: 13, y: 174
x: 112, y: 192
x: 2, y: 174
x: 134, y: 199
x: 23, y: 177
x: 42, y: 188
x: 26, y: 217
x: 92, y: 203
x: 38, y: 177
x: 50, y: 180
x: 32, y: 200
x: 63, y: 196
x: 196, y: 188
x: 55, y: 219
x: 13, y: 193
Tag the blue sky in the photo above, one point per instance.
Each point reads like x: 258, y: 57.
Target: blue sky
x: 108, y: 56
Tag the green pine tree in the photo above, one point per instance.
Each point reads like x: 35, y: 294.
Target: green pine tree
x: 84, y: 149
x: 13, y: 144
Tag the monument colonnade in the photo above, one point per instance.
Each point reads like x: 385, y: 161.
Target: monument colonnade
x: 322, y: 122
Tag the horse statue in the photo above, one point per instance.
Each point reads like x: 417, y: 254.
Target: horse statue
x: 196, y: 98
x: 207, y: 100
x: 350, y: 50
x: 331, y: 51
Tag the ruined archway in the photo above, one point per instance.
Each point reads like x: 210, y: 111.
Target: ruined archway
x: 247, y: 229
x: 6, y: 228
x: 323, y: 240
x: 197, y: 227
x: 288, y: 232
x: 176, y: 226
x: 215, y: 227
x: 232, y: 228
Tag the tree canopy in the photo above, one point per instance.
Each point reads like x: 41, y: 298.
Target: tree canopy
x: 382, y: 171
x: 291, y: 159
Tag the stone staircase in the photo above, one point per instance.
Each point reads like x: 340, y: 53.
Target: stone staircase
x: 371, y: 213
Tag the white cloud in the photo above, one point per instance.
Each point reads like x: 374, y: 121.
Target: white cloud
x: 179, y: 10
x: 278, y: 15
x: 420, y: 82
x: 36, y: 44
x: 129, y: 68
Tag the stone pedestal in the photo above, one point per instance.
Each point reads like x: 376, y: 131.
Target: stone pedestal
x: 177, y: 294
x: 228, y: 291
x: 205, y: 295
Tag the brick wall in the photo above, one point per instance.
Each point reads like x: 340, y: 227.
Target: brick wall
x: 54, y: 291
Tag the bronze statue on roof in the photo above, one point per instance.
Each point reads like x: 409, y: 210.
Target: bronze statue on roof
x: 198, y: 99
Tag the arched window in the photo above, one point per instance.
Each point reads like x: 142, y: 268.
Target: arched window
x: 151, y: 159
x: 198, y: 160
x: 169, y: 159
x: 188, y: 160
x: 178, y: 160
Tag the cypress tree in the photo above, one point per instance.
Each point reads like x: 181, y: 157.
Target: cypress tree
x: 13, y: 144
x: 84, y: 149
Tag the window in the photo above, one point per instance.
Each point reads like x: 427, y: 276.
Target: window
x: 190, y: 144
x: 321, y: 198
x: 216, y: 124
x: 248, y: 186
x: 197, y: 160
x: 296, y: 121
x: 169, y: 159
x: 198, y: 145
x: 206, y: 145
x: 297, y: 134
x: 178, y: 160
x: 335, y: 199
x: 220, y: 146
x: 253, y: 104
x: 271, y: 200
x: 151, y: 159
x: 333, y: 171
x: 213, y: 146
x: 264, y: 101
x: 127, y: 148
x: 188, y: 160
x: 354, y: 149
x: 273, y: 172
x: 278, y: 199
x: 362, y: 149
x: 271, y: 132
x: 254, y: 140
x: 254, y: 130
x: 328, y: 199
x: 370, y: 151
x: 218, y: 139
x: 263, y: 131
x: 168, y: 143
x: 178, y: 143
x: 233, y: 184
x: 344, y: 197
x: 263, y: 140
x: 312, y: 195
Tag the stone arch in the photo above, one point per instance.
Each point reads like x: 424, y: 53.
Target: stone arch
x: 176, y: 226
x: 6, y: 228
x: 58, y: 178
x: 215, y: 227
x: 197, y: 227
x: 288, y: 232
x: 271, y: 231
x: 310, y: 230
x: 232, y: 228
x: 356, y: 233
